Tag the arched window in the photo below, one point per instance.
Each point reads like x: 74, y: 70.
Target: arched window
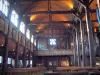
x: 14, y: 18
x: 32, y: 38
x: 1, y: 5
x: 28, y: 33
x: 5, y: 7
x: 22, y: 27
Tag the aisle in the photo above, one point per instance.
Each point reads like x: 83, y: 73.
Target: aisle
x: 51, y: 73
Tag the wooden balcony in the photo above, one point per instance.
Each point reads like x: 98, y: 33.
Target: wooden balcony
x: 54, y: 52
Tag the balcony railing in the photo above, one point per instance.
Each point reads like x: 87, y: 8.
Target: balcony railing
x: 54, y: 52
x: 26, y: 71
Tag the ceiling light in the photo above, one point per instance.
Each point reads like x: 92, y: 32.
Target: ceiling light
x: 33, y: 17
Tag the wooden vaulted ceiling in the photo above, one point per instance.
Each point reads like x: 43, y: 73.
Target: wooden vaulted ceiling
x: 52, y: 6
x: 27, y: 7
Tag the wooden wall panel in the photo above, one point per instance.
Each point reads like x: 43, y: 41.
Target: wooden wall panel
x: 6, y: 25
x: 11, y: 45
x: 2, y: 40
x: 32, y: 47
x: 2, y: 24
x: 21, y: 39
x: 10, y: 32
x: 20, y: 50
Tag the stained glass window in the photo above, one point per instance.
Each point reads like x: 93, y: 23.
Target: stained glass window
x: 52, y: 41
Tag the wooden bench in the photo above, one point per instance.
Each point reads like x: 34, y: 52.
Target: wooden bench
x: 26, y: 71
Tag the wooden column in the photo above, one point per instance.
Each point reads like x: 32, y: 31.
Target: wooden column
x: 86, y: 4
x: 66, y: 42
x: 34, y: 59
x: 57, y: 43
x: 83, y: 49
x: 24, y: 52
x: 30, y: 51
x: 16, y: 55
x: 59, y: 61
x: 5, y: 48
x: 37, y: 43
x: 48, y: 43
x: 90, y: 38
x: 78, y: 51
x: 17, y: 45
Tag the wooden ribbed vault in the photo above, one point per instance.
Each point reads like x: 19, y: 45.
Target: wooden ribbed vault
x: 44, y: 15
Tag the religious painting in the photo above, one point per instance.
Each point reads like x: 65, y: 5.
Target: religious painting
x: 42, y: 44
x: 61, y: 43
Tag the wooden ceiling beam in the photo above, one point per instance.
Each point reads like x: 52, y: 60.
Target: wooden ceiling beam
x: 50, y: 36
x: 55, y: 22
x: 52, y: 22
x: 51, y: 12
x: 30, y: 1
x: 55, y: 12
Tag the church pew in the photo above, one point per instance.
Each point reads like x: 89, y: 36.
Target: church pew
x: 78, y: 70
x: 73, y: 68
x: 26, y: 71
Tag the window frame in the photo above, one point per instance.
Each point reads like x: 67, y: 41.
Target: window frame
x: 32, y: 39
x: 1, y: 5
x: 28, y: 33
x: 14, y: 18
x: 52, y: 41
x: 22, y: 27
x: 5, y: 7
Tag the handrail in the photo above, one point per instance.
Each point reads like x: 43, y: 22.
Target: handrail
x: 73, y: 68
x: 25, y: 69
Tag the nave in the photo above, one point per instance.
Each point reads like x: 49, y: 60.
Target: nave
x: 49, y: 37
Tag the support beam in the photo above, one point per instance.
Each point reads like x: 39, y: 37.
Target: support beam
x: 30, y: 1
x: 51, y: 12
x: 56, y: 22
x: 5, y: 51
x: 91, y: 2
x: 30, y: 50
x: 16, y: 53
x: 55, y: 12
x: 90, y: 33
x: 90, y: 38
x: 24, y: 51
x: 52, y: 22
